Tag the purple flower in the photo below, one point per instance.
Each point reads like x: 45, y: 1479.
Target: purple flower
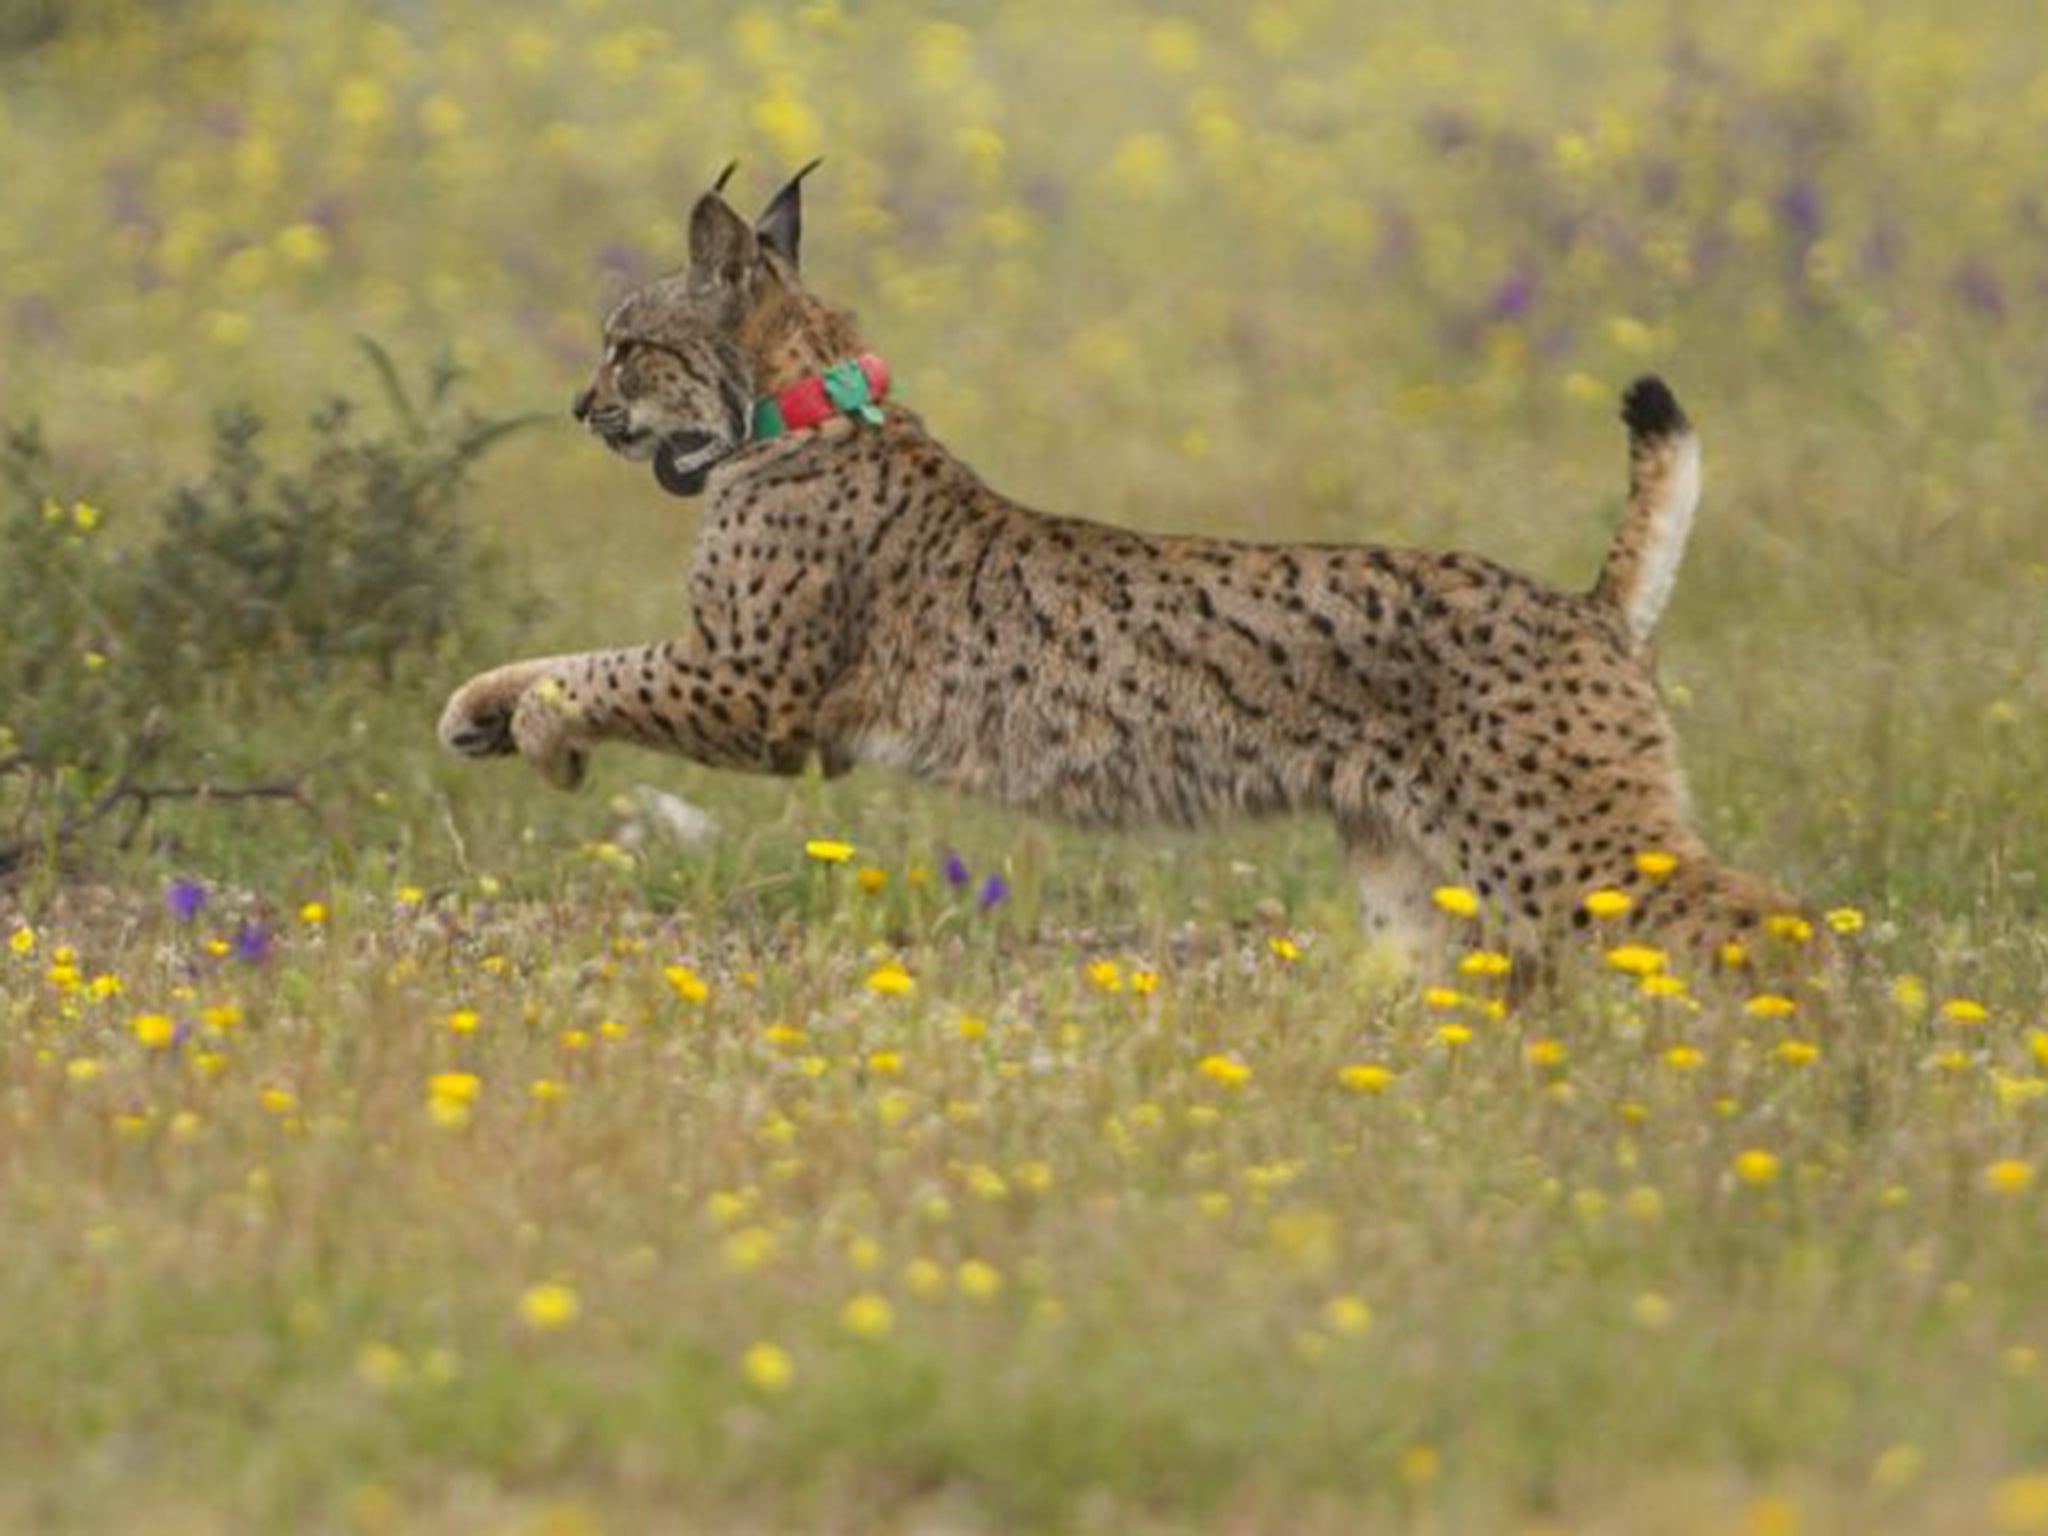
x: 252, y: 943
x: 185, y: 898
x: 1512, y: 298
x: 956, y: 871
x: 995, y: 890
x: 1799, y: 209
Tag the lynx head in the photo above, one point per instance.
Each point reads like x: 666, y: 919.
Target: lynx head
x: 685, y: 355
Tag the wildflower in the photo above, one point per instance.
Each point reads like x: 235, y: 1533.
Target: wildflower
x: 768, y: 1367
x: 1453, y: 1035
x: 995, y: 890
x: 956, y: 871
x: 1734, y: 955
x: 155, y: 1031
x: 1366, y: 1077
x: 1347, y: 1314
x: 1106, y: 975
x: 1421, y: 1465
x: 1636, y: 959
x: 410, y: 895
x: 219, y: 1018
x: 313, y: 913
x: 185, y: 898
x: 925, y: 1279
x: 1684, y: 1057
x: 1607, y: 903
x: 81, y: 1069
x: 1442, y: 998
x: 1795, y: 1053
x: 1756, y: 1167
x: 1789, y: 925
x: 867, y: 1316
x: 891, y: 980
x: 979, y: 1281
x: 1144, y: 983
x: 106, y: 985
x: 971, y: 1028
x: 1656, y: 863
x: 1485, y: 962
x: 463, y: 1021
x: 1283, y: 948
x: 278, y: 1101
x: 1909, y: 995
x: 686, y: 984
x: 1951, y: 1060
x: 826, y: 851
x: 1456, y: 900
x: 2021, y: 1504
x: 1225, y: 1070
x: 1964, y: 1010
x: 382, y: 1366
x: 545, y: 1090
x: 252, y: 943
x: 549, y: 1306
x: 1770, y: 1005
x: 1544, y: 1053
x: 871, y: 879
x: 1651, y: 1310
x: 1663, y: 985
x: 2009, y: 1176
x: 1845, y: 920
x: 885, y: 1063
x: 22, y: 941
x: 1896, y: 1467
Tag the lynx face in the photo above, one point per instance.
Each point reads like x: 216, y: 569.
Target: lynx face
x: 673, y: 386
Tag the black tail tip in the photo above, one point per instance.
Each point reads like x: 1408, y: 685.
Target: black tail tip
x: 1651, y: 410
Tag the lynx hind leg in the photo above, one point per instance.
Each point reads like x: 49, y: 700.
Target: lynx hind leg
x: 1395, y: 881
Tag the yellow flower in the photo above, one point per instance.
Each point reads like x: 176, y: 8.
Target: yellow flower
x: 463, y: 1021
x: 107, y: 985
x: 1485, y: 962
x: 85, y: 515
x: 221, y: 1017
x: 871, y: 879
x: 885, y: 1063
x: 1770, y: 1005
x: 278, y: 1101
x: 1347, y: 1314
x: 1789, y: 925
x: 1845, y: 920
x: 979, y: 1281
x: 1734, y: 955
x: 1636, y: 959
x: 549, y: 1306
x: 1651, y: 1310
x: 1683, y: 1057
x: 2009, y: 1176
x: 1226, y: 1070
x: 1106, y: 975
x: 1663, y: 985
x: 1366, y: 1077
x: 1144, y: 983
x: 410, y: 895
x: 1951, y: 1060
x: 1442, y: 998
x: 22, y: 941
x: 1656, y: 863
x: 867, y: 1316
x: 1544, y: 1053
x: 1456, y: 900
x: 1607, y: 903
x: 1284, y: 948
x: 81, y: 1069
x: 545, y: 1090
x: 155, y: 1031
x: 1756, y: 1167
x: 891, y: 980
x: 686, y: 983
x: 826, y: 851
x: 1909, y: 994
x: 1964, y: 1010
x: 1421, y: 1465
x: 1453, y: 1035
x: 768, y: 1367
x: 313, y: 913
x: 1795, y: 1053
x: 456, y: 1087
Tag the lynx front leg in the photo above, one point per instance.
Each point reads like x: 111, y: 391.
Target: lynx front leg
x: 717, y: 711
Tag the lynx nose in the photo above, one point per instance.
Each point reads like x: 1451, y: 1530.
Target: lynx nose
x: 580, y: 406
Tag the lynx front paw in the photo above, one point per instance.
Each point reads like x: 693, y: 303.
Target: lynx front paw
x: 478, y: 719
x: 546, y: 728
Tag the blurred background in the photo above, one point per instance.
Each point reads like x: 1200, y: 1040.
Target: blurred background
x: 1308, y: 271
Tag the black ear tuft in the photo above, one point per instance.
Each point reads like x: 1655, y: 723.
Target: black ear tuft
x: 781, y: 225
x: 1651, y: 410
x: 724, y: 176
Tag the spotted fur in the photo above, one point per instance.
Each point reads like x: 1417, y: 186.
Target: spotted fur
x: 859, y: 595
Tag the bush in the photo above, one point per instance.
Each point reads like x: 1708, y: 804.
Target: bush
x: 353, y: 557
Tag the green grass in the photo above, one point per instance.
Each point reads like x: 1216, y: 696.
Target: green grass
x: 1246, y: 273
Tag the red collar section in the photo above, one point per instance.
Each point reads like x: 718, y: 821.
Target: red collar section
x: 853, y: 388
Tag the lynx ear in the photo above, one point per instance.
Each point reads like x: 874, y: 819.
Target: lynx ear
x: 721, y: 246
x: 781, y: 225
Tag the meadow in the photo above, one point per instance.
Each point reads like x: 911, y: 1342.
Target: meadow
x: 389, y: 1143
